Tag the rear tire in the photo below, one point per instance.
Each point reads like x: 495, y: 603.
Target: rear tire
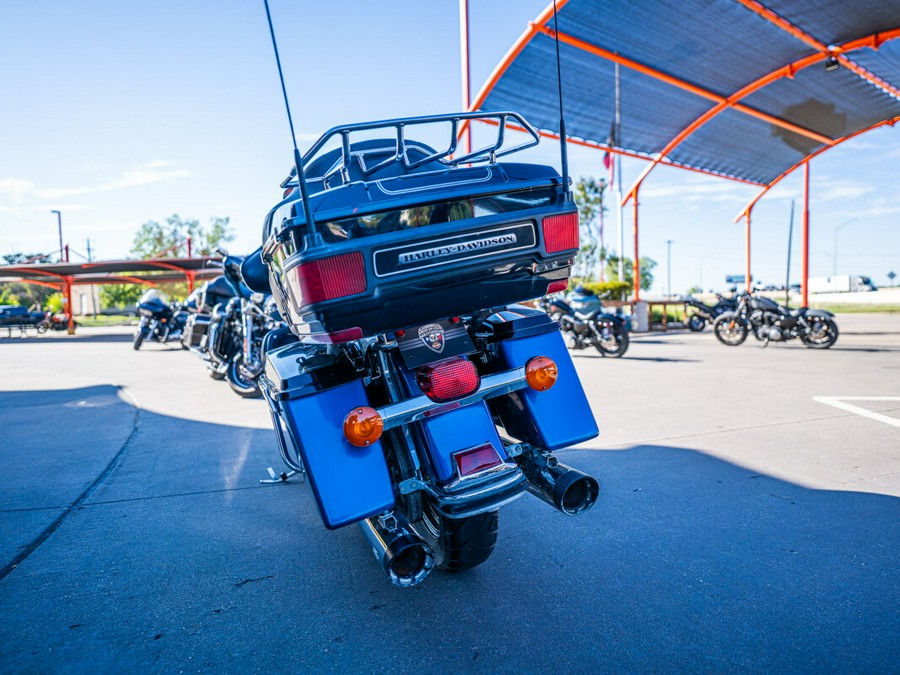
x: 730, y: 330
x: 240, y: 381
x: 826, y: 336
x: 617, y: 345
x: 696, y: 323
x: 459, y: 543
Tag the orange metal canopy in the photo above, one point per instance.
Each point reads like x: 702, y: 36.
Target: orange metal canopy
x: 741, y: 89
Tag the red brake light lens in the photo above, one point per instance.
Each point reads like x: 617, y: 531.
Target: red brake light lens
x: 477, y: 459
x: 558, y: 286
x: 448, y: 380
x: 330, y: 278
x: 561, y: 232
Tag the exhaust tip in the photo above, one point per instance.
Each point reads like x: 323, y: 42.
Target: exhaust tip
x: 575, y: 492
x: 408, y: 560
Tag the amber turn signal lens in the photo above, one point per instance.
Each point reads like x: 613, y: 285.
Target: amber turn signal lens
x: 363, y: 426
x: 541, y: 373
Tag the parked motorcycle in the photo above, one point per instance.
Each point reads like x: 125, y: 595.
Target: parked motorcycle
x: 199, y: 305
x: 414, y: 396
x: 258, y: 316
x: 585, y: 324
x: 160, y: 320
x: 770, y: 322
x: 223, y: 335
x: 703, y: 314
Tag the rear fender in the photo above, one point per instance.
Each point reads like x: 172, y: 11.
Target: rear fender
x: 822, y: 313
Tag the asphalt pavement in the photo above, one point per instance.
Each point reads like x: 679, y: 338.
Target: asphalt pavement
x: 749, y: 520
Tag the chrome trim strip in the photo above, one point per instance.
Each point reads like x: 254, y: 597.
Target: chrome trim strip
x: 414, y: 409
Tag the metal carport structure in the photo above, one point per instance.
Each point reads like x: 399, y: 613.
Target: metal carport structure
x: 63, y: 275
x: 745, y: 90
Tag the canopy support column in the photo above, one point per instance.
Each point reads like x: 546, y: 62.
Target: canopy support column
x: 70, y: 308
x: 190, y: 280
x: 637, y: 260
x: 748, y: 279
x: 805, y: 272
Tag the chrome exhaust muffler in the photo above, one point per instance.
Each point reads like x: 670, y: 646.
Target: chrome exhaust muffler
x: 566, y: 489
x: 403, y: 555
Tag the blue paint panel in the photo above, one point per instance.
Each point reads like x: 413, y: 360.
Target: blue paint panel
x: 349, y: 483
x: 558, y: 417
x: 458, y: 430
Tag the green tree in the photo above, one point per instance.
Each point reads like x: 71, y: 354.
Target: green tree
x: 589, y: 198
x: 169, y: 240
x: 120, y: 295
x: 27, y: 295
x: 647, y: 266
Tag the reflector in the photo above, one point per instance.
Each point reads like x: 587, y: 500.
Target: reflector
x: 472, y: 461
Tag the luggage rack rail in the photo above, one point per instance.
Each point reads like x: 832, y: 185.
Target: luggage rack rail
x: 487, y: 153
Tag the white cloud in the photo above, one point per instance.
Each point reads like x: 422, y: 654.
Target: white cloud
x: 154, y: 171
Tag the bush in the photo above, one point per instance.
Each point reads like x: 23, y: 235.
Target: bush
x: 55, y: 303
x: 608, y: 290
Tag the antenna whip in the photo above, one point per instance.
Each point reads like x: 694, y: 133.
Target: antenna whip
x: 298, y: 159
x: 563, y: 150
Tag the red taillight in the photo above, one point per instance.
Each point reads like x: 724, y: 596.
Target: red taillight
x: 448, y: 380
x: 477, y: 459
x: 561, y: 232
x: 330, y: 278
x: 557, y: 286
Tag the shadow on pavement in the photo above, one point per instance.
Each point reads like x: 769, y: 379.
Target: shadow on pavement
x: 179, y: 559
x: 80, y: 337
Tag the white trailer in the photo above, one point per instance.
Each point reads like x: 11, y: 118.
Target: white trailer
x: 843, y: 283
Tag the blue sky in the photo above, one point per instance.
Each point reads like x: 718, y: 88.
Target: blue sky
x: 117, y: 113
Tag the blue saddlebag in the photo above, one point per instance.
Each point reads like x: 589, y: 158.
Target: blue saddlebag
x: 459, y: 430
x: 349, y: 483
x: 552, y: 419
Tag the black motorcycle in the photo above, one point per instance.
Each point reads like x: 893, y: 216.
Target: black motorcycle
x: 258, y: 316
x: 199, y: 305
x: 161, y: 321
x: 698, y: 314
x: 585, y: 324
x: 768, y: 322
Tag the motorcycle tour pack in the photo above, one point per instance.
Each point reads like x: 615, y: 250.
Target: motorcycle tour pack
x: 408, y: 369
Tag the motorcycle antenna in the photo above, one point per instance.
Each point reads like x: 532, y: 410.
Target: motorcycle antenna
x: 298, y: 158
x: 563, y: 150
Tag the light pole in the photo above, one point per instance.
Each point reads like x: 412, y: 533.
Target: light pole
x: 669, y: 268
x: 834, y: 263
x: 59, y: 224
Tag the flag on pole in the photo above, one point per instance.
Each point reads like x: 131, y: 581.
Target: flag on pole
x: 608, y: 160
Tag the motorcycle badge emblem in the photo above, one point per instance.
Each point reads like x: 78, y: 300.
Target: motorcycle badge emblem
x: 432, y: 335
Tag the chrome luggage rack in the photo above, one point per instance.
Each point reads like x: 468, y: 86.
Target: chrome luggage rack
x: 487, y: 153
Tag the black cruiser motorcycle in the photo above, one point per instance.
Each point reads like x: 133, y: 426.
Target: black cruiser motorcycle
x: 768, y: 322
x: 408, y: 387
x: 584, y: 323
x: 699, y: 313
x: 161, y: 321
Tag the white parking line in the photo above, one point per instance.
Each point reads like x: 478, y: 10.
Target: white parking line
x: 839, y: 402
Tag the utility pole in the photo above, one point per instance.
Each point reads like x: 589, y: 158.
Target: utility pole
x: 59, y: 225
x: 669, y: 268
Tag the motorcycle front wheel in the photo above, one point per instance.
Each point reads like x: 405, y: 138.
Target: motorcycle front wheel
x: 139, y: 337
x: 822, y: 334
x: 459, y: 543
x: 240, y: 380
x: 696, y: 323
x: 615, y: 345
x: 730, y: 330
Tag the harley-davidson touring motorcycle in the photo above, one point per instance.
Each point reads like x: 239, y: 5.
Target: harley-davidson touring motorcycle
x: 584, y: 323
x: 161, y: 321
x: 408, y: 387
x: 770, y: 322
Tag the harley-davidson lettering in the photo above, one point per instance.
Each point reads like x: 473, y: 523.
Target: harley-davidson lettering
x: 452, y: 249
x: 432, y: 334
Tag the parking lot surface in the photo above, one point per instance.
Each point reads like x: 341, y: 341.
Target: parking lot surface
x: 748, y: 521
